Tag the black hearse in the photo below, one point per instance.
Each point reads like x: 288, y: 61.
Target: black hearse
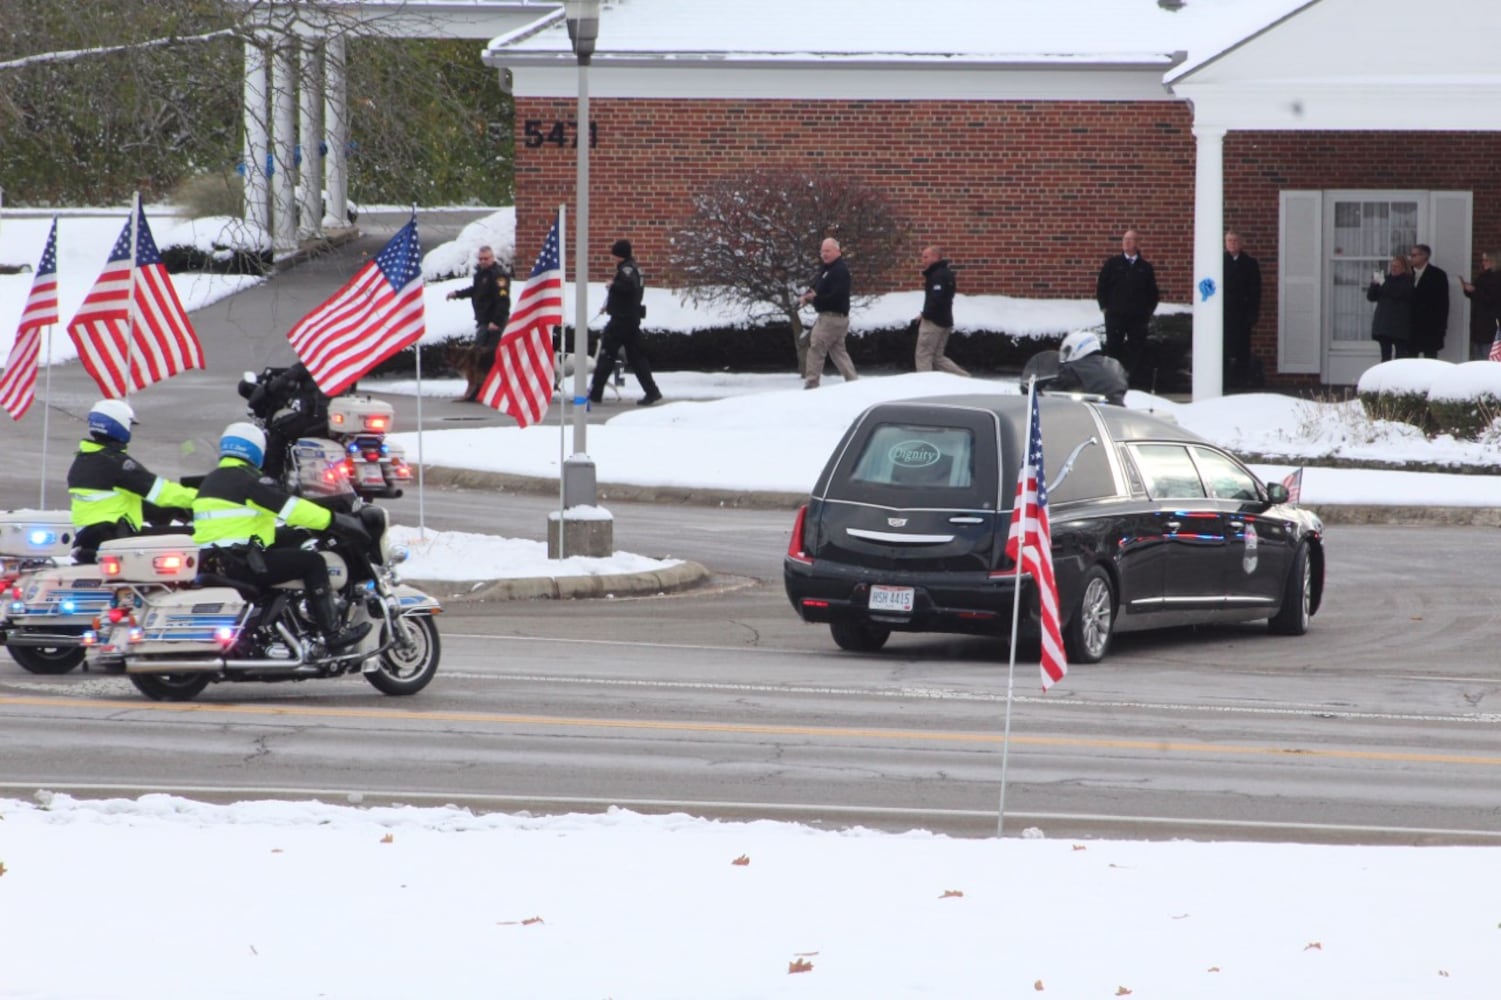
x: 1152, y: 526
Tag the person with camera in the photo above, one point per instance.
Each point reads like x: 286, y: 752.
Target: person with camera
x: 623, y: 331
x: 234, y: 525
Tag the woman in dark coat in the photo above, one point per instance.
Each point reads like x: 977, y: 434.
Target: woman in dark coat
x: 1485, y: 306
x: 1391, y: 327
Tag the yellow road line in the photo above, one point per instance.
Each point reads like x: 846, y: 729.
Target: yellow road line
x: 303, y: 711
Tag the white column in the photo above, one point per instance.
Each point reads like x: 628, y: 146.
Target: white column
x: 256, y: 193
x: 283, y: 139
x: 310, y: 141
x: 336, y: 121
x: 1209, y: 263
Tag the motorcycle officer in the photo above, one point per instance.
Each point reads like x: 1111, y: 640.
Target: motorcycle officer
x: 290, y: 404
x: 107, y: 488
x: 1083, y: 368
x: 234, y: 526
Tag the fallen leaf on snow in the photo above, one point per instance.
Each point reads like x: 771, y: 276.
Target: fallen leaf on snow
x: 743, y: 860
x: 2, y: 868
x: 389, y: 838
x: 1038, y: 986
x: 1214, y: 968
x: 1181, y: 916
x: 276, y: 850
x: 1122, y: 991
x: 805, y: 954
x: 519, y: 923
x: 1313, y: 946
x: 950, y: 893
x: 799, y: 965
x: 1080, y: 847
x: 1444, y: 973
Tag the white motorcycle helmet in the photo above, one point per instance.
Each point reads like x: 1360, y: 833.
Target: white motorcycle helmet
x: 112, y: 418
x: 1079, y: 344
x: 243, y: 440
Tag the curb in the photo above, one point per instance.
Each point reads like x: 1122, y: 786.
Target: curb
x: 669, y: 579
x: 437, y: 475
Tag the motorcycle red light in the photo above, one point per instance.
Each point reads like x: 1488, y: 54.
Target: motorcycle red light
x: 116, y: 615
x: 109, y: 565
x: 336, y: 418
x: 372, y: 456
x: 171, y: 563
x: 376, y: 423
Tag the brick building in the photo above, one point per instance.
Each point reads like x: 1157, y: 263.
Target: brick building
x: 1026, y: 137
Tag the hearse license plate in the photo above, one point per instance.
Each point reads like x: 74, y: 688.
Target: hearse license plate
x: 890, y: 598
x: 370, y: 474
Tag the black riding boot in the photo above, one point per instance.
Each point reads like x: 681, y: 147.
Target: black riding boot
x: 327, y: 613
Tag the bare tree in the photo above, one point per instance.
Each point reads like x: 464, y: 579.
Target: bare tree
x: 753, y: 237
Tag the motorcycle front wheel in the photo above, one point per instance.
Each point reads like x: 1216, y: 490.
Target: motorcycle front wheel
x: 171, y: 687
x: 409, y: 666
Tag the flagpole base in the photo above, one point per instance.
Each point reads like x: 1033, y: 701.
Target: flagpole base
x: 581, y: 531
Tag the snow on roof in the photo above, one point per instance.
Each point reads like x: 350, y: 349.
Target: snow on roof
x: 1033, y: 31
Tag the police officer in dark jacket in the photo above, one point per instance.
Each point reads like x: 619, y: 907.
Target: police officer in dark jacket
x: 623, y: 304
x: 490, y: 296
x: 1241, y: 310
x: 1127, y: 293
x: 112, y: 495
x: 1082, y: 368
x: 289, y: 404
x: 936, y: 321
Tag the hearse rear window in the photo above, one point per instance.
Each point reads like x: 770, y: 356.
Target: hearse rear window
x: 916, y: 455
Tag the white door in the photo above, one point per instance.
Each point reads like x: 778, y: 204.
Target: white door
x: 1363, y: 231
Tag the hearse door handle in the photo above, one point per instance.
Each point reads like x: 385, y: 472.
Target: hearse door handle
x: 1173, y: 526
x: 1237, y: 525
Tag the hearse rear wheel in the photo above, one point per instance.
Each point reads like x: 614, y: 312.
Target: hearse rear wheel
x: 859, y: 637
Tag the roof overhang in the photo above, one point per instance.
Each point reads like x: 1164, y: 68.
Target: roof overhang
x: 478, y: 20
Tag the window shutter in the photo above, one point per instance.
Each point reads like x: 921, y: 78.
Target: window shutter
x: 1300, y: 275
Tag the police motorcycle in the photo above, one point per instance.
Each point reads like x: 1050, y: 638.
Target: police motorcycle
x: 173, y: 628
x: 45, y: 608
x: 326, y: 437
x: 50, y: 590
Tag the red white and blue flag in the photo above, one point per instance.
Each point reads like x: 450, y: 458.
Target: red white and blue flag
x: 1294, y: 483
x: 378, y: 312
x: 520, y: 381
x: 1031, y: 534
x: 132, y: 330
x: 1495, y: 354
x: 18, y: 384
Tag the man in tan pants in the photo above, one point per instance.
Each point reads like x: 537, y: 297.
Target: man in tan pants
x: 830, y: 296
x: 936, y: 321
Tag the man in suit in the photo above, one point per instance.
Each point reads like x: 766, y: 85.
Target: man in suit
x: 1430, y: 303
x: 1127, y: 294
x: 1242, y: 307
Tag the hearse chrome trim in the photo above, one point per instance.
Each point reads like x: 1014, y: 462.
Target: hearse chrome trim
x: 898, y: 537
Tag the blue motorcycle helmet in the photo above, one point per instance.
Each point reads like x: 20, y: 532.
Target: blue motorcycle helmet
x: 111, y: 419
x: 243, y: 440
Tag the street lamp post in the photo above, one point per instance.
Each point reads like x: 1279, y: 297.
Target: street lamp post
x: 578, y: 470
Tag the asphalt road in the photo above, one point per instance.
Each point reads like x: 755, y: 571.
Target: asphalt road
x: 1380, y: 725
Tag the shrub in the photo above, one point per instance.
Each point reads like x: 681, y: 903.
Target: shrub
x: 1398, y: 390
x: 1466, y: 399
x: 199, y: 195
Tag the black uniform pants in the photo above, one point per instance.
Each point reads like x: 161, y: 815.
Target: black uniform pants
x: 263, y: 567
x: 614, y: 340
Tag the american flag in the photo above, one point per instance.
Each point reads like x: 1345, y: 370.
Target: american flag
x: 132, y: 330
x: 1294, y: 483
x: 520, y: 382
x: 1030, y: 532
x: 377, y: 313
x: 18, y: 384
x: 1495, y: 354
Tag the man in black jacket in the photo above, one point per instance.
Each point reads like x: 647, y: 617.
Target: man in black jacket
x: 830, y: 296
x: 936, y: 321
x: 1430, y: 303
x: 1127, y: 293
x: 490, y: 295
x: 1241, y: 309
x: 623, y: 304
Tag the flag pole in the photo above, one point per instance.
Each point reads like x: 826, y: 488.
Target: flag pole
x: 130, y: 307
x: 46, y: 406
x: 563, y: 398
x: 1016, y: 605
x: 421, y: 493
